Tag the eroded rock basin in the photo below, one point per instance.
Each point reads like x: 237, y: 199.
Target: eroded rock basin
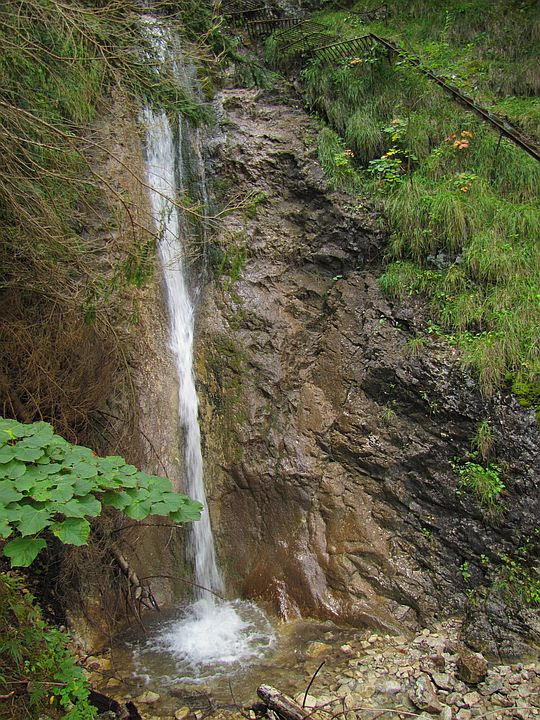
x: 363, y: 674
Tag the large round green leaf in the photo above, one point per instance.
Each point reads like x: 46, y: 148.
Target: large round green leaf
x: 23, y: 551
x: 13, y: 469
x: 28, y: 454
x: 82, y: 506
x: 32, y: 520
x: 8, y: 493
x: 7, y: 453
x: 73, y: 531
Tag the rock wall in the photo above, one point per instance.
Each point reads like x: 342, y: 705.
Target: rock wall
x: 327, y: 444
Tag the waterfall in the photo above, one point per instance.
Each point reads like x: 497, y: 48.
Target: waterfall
x: 166, y: 185
x: 209, y: 633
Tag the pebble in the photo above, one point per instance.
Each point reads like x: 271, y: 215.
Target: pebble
x: 315, y: 649
x: 389, y: 687
x: 442, y: 680
x: 182, y: 713
x: 147, y: 698
x: 471, y: 699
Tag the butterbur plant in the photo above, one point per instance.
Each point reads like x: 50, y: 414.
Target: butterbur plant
x: 49, y: 485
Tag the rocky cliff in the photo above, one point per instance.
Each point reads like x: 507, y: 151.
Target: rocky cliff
x: 327, y: 441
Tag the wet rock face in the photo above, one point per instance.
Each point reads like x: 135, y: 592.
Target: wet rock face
x: 327, y: 444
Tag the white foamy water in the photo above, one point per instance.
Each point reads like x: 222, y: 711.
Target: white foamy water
x: 211, y: 632
x: 210, y: 638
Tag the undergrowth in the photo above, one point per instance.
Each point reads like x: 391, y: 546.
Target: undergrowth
x: 461, y: 203
x: 38, y: 673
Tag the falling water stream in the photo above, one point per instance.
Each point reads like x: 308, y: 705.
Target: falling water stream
x: 210, y: 634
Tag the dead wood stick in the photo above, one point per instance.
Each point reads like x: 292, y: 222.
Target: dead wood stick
x: 285, y: 706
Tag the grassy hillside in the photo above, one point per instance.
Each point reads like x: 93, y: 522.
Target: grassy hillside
x: 461, y: 204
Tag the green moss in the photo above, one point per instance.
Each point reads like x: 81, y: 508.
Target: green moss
x: 527, y: 394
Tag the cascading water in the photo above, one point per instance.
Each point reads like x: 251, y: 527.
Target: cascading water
x: 210, y: 632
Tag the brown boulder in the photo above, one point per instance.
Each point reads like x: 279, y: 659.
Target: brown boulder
x: 471, y: 667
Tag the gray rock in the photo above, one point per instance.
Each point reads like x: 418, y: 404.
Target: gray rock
x: 147, y: 698
x: 423, y: 695
x: 453, y: 698
x: 442, y: 680
x: 491, y: 687
x: 471, y: 699
x: 446, y: 713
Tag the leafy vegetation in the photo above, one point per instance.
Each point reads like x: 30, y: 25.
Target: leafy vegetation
x: 513, y: 574
x: 484, y: 481
x: 461, y: 203
x: 38, y: 674
x: 48, y: 485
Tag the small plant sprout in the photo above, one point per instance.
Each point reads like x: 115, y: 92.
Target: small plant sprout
x: 414, y: 346
x: 387, y: 415
x: 465, y: 571
x: 483, y: 439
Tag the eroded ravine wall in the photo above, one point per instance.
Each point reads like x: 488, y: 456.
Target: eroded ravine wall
x: 327, y: 446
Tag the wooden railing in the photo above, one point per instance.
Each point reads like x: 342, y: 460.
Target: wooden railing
x: 304, y: 33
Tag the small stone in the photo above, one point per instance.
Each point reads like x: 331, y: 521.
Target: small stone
x: 492, y: 687
x: 147, y: 698
x: 442, y: 680
x: 347, y: 649
x: 423, y: 695
x: 314, y: 649
x: 471, y: 699
x: 104, y: 663
x: 521, y: 714
x: 464, y: 714
x: 112, y: 683
x: 373, y: 638
x: 310, y: 702
x: 182, y: 713
x: 92, y: 663
x: 472, y: 667
x: 446, y: 713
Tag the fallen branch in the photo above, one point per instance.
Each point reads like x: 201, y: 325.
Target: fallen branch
x: 283, y: 705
